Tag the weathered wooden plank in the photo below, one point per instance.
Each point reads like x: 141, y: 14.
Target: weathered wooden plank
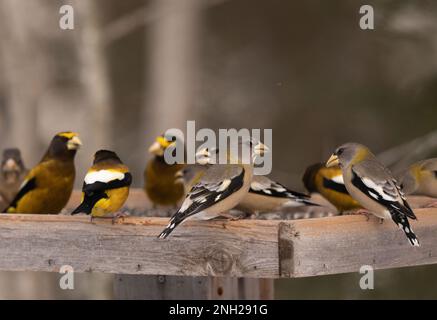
x: 245, y: 248
x: 344, y: 244
x: 215, y: 248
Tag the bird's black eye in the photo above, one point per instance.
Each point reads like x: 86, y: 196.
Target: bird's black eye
x: 340, y: 151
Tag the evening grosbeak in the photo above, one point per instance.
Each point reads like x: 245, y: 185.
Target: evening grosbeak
x: 12, y: 174
x: 265, y: 195
x: 106, y: 186
x: 421, y: 178
x: 160, y: 182
x: 219, y: 189
x: 48, y: 186
x: 329, y: 183
x: 370, y: 183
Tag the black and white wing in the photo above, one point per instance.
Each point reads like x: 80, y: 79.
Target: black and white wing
x: 264, y: 186
x: 376, y: 182
x: 217, y: 184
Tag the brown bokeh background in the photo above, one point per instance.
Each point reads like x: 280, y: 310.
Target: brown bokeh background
x: 131, y: 69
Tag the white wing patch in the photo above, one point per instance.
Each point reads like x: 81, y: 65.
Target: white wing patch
x: 104, y: 176
x: 279, y: 189
x: 374, y: 195
x: 187, y: 203
x: 338, y: 179
x: 256, y: 186
x: 224, y: 185
x: 24, y: 183
x: 379, y: 189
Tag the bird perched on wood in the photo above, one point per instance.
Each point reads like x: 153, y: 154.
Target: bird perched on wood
x: 219, y: 189
x: 421, y: 178
x: 265, y: 195
x: 329, y: 183
x: 48, y: 186
x: 160, y: 183
x: 370, y: 183
x: 106, y: 186
x: 12, y: 174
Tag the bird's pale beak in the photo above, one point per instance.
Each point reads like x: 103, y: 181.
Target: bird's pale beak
x: 332, y: 161
x: 203, y: 156
x: 179, y: 177
x: 11, y: 171
x: 10, y: 165
x: 260, y: 149
x: 74, y: 143
x: 156, y: 149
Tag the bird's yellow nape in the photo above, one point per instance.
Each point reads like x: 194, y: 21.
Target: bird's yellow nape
x: 332, y: 161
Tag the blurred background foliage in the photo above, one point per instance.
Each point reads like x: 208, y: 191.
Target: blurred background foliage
x: 131, y: 69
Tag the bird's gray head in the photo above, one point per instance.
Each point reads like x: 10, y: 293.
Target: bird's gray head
x: 12, y: 165
x: 207, y: 155
x: 247, y: 150
x: 212, y: 155
x: 347, y: 154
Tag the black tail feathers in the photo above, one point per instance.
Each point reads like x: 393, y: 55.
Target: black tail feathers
x: 169, y: 229
x: 401, y: 221
x: 84, y: 207
x: 89, y: 201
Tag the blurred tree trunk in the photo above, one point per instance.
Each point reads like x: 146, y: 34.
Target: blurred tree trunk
x: 24, y: 71
x: 43, y: 95
x: 94, y: 72
x: 173, y: 40
x: 26, y: 76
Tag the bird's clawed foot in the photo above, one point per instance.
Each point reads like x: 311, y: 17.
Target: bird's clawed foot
x: 230, y: 216
x: 117, y: 216
x: 364, y: 212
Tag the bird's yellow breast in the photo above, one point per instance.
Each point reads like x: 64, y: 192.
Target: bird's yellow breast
x: 160, y: 183
x: 342, y: 201
x: 54, y: 185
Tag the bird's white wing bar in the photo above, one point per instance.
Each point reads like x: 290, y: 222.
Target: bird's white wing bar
x: 264, y: 186
x: 338, y: 179
x: 385, y: 190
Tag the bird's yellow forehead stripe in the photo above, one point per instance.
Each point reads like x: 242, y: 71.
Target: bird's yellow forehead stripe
x: 163, y: 142
x: 68, y: 135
